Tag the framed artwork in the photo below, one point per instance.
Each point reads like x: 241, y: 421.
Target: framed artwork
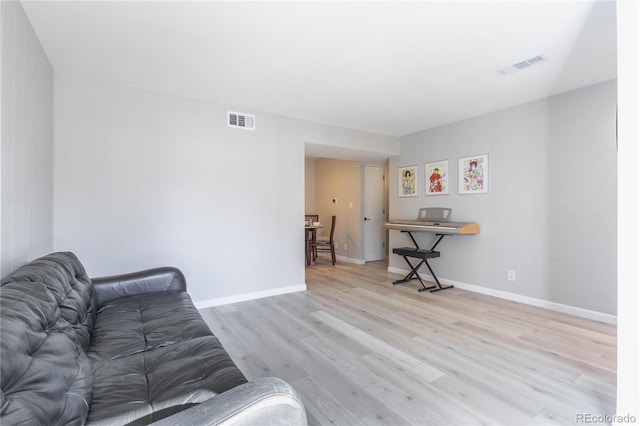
x: 437, y: 177
x: 473, y: 174
x: 408, y: 181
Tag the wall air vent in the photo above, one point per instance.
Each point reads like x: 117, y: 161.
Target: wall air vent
x: 523, y: 64
x: 240, y: 120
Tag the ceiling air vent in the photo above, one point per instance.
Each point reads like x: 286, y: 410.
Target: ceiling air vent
x: 523, y: 64
x: 240, y: 120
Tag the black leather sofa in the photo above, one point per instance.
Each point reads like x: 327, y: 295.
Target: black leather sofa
x: 123, y: 350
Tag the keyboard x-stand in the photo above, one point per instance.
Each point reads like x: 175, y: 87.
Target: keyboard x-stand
x: 441, y: 229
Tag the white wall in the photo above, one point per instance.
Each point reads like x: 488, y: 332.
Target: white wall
x: 628, y: 389
x: 550, y: 213
x: 146, y: 179
x: 27, y: 142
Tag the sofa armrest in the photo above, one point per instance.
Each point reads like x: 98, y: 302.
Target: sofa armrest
x: 265, y: 401
x: 135, y: 283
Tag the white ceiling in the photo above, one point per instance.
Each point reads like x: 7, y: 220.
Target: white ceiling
x: 390, y: 67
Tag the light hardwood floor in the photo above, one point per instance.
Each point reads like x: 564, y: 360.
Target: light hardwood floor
x: 360, y: 350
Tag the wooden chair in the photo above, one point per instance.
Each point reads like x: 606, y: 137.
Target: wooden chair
x: 311, y: 217
x: 311, y: 236
x: 326, y: 245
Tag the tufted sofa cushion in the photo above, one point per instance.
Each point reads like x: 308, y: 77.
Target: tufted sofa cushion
x: 68, y: 283
x: 159, y: 345
x: 160, y: 382
x: 141, y: 323
x: 48, y: 313
x: 46, y: 375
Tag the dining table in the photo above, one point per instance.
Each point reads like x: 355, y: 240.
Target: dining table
x: 309, y: 233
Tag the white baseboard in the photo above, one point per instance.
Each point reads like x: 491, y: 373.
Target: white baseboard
x: 249, y: 296
x: 350, y: 260
x: 344, y: 259
x: 558, y: 307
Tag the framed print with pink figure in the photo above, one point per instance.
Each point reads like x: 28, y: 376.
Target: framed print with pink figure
x: 437, y: 177
x: 408, y: 181
x: 473, y: 174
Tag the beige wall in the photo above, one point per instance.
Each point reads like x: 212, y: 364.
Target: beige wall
x: 341, y: 180
x: 309, y: 186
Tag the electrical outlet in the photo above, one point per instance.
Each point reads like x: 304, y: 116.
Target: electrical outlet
x: 511, y: 275
x: 345, y: 247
